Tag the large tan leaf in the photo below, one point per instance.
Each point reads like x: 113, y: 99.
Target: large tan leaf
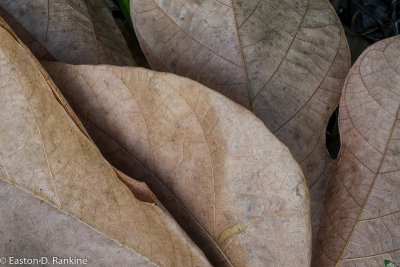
x: 229, y: 182
x: 58, y: 195
x: 72, y: 31
x: 284, y: 60
x: 361, y: 221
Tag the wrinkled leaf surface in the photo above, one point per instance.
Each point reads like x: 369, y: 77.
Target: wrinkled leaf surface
x: 72, y: 31
x: 284, y: 60
x: 229, y: 182
x: 58, y: 195
x: 361, y: 219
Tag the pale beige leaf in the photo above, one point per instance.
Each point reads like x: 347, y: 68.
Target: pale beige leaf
x: 72, y: 31
x: 58, y: 195
x: 229, y: 182
x: 285, y: 60
x: 361, y: 219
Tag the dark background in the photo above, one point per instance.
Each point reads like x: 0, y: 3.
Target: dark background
x: 365, y: 22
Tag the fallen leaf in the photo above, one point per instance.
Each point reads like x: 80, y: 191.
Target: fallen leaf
x: 284, y: 60
x: 360, y: 223
x: 72, y: 31
x: 59, y: 196
x: 233, y: 187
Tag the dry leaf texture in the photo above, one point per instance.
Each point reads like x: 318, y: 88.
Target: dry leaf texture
x: 361, y: 220
x: 284, y: 60
x: 228, y: 181
x: 58, y: 195
x: 72, y: 31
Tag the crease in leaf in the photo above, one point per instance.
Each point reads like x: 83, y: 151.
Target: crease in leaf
x: 191, y: 146
x: 284, y: 60
x: 43, y: 149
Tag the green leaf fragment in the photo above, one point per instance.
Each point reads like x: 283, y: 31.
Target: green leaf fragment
x: 389, y: 263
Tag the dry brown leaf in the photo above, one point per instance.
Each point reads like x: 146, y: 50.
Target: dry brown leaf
x: 58, y: 195
x: 226, y: 179
x: 361, y: 220
x: 284, y: 60
x: 72, y: 31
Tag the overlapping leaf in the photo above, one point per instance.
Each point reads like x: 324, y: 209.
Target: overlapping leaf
x: 361, y: 220
x: 58, y: 195
x: 284, y: 60
x: 72, y: 31
x: 229, y: 182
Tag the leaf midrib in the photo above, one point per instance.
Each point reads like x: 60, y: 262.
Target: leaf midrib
x: 5, y: 179
x: 371, y: 187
